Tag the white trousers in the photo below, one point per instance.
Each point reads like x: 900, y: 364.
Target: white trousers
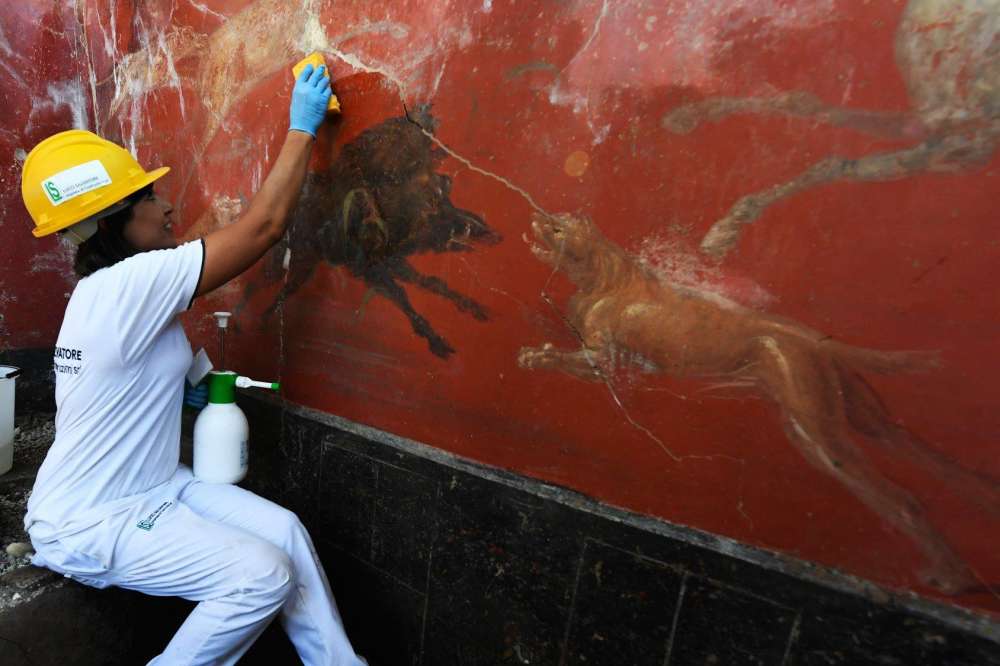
x: 243, y: 558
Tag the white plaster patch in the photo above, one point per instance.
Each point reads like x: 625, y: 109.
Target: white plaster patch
x: 393, y: 29
x: 226, y: 210
x: 679, y: 45
x: 68, y: 94
x: 676, y: 265
x: 313, y: 35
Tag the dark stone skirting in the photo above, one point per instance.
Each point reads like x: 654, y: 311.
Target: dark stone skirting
x: 437, y: 560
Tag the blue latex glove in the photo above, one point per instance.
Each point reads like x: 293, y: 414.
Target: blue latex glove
x: 196, y: 396
x: 310, y: 97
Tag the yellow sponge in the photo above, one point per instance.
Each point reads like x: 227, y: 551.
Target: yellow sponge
x: 316, y: 59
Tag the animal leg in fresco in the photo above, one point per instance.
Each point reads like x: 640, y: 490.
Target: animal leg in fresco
x: 940, y: 154
x: 404, y: 271
x: 271, y: 273
x: 805, y: 384
x: 868, y: 415
x: 582, y: 363
x: 300, y: 269
x: 296, y: 278
x: 835, y: 454
x: 248, y: 294
x: 385, y: 285
x: 888, y: 124
x: 301, y: 249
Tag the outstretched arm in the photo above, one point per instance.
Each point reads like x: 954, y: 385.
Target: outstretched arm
x: 233, y: 249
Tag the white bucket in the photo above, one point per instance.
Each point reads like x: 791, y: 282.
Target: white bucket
x: 7, y: 375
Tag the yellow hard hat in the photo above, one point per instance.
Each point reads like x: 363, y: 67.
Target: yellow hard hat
x: 74, y: 175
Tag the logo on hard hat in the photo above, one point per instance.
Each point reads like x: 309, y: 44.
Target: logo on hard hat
x: 53, y: 191
x: 71, y: 183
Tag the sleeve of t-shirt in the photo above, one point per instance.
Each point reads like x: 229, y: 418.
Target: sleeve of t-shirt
x: 153, y: 288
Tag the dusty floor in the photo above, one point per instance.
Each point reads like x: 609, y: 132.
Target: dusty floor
x: 32, y: 440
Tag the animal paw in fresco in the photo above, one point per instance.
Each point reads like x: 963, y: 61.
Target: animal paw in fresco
x: 580, y: 363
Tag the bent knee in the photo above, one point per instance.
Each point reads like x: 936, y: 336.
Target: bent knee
x: 267, y: 570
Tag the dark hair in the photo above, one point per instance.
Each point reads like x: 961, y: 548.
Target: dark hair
x: 108, y: 246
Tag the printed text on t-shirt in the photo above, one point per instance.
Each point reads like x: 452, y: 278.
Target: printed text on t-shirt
x: 65, y: 354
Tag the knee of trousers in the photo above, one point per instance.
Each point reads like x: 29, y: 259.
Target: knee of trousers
x: 268, y: 573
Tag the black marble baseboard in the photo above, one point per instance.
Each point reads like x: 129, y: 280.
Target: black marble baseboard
x: 438, y: 561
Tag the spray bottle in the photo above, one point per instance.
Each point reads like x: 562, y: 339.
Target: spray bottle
x: 221, y: 431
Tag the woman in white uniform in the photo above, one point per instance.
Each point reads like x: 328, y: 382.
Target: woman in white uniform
x: 111, y: 504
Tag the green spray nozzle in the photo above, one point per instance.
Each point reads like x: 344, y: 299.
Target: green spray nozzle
x: 246, y: 382
x: 223, y: 384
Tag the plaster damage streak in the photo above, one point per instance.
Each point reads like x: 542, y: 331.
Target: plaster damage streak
x: 623, y: 312
x: 227, y: 68
x: 64, y: 94
x: 948, y: 52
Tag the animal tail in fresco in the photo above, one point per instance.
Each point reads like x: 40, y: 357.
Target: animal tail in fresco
x: 882, y: 362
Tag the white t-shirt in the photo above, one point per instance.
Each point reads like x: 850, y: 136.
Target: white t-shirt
x: 120, y: 362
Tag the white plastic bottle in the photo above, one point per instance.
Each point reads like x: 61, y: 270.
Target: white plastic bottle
x: 221, y: 431
x: 7, y: 375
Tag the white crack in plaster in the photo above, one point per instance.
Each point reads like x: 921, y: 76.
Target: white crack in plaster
x: 13, y: 73
x: 112, y: 16
x: 4, y: 44
x: 206, y: 10
x: 9, y: 52
x: 171, y: 70
x: 91, y: 74
x: 580, y: 102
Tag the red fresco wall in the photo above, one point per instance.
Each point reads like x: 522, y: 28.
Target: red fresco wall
x: 758, y: 236
x: 42, y: 91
